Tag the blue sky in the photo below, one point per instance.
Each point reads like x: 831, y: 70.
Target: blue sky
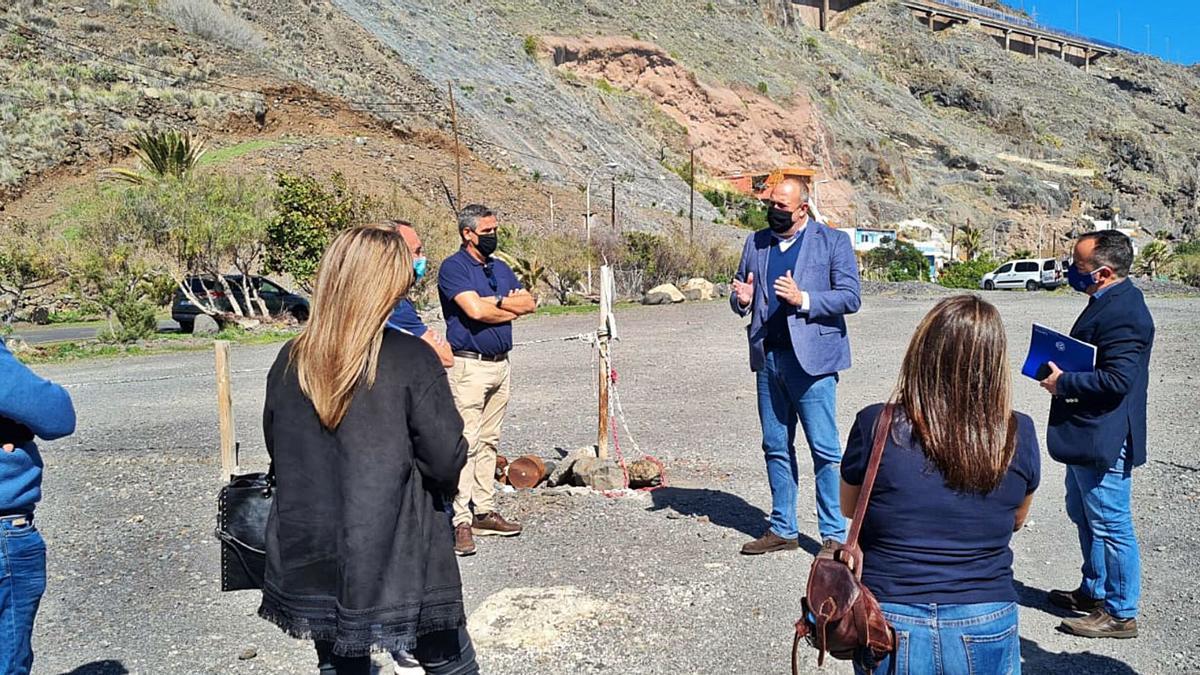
x: 1176, y: 21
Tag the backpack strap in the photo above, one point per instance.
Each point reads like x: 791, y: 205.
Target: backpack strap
x: 883, y: 428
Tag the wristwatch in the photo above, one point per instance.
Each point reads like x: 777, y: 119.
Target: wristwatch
x: 499, y: 301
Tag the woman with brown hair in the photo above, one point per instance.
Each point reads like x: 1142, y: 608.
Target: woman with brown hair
x: 956, y: 479
x: 366, y: 447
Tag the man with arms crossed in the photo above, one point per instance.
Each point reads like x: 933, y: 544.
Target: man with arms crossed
x: 1098, y: 429
x: 797, y: 280
x: 480, y: 298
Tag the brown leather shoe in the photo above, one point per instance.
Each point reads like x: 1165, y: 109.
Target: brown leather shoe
x: 494, y: 524
x: 1100, y: 624
x: 769, y: 543
x: 828, y: 546
x: 1076, y: 601
x: 464, y: 544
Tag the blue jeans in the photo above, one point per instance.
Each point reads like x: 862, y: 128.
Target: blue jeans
x: 785, y: 393
x: 978, y: 639
x: 1099, y: 503
x: 22, y: 582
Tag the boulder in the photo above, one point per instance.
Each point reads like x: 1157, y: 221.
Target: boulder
x: 722, y: 290
x: 561, y: 472
x: 703, y: 289
x: 39, y: 316
x: 598, y: 474
x: 663, y: 295
x: 205, y: 325
x: 644, y: 473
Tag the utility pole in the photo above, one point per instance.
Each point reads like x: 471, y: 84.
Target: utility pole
x: 1076, y: 16
x: 1118, y: 26
x: 692, y: 195
x: 1147, y: 39
x: 457, y: 150
x: 613, y: 207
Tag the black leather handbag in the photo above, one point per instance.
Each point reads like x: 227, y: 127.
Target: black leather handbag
x: 243, y: 507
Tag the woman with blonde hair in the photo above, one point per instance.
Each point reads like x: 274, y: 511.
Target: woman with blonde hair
x: 366, y: 447
x: 955, y: 480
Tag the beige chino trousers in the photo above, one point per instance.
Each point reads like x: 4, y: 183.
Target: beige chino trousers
x: 480, y: 390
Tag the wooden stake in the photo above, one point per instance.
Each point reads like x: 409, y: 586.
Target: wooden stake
x: 229, y: 458
x: 692, y: 195
x: 457, y: 149
x: 603, y: 338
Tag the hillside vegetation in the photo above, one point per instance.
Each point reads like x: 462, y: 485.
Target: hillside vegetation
x: 550, y: 99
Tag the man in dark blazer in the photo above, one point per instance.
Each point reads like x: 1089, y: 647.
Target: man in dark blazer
x: 1098, y: 429
x: 797, y: 280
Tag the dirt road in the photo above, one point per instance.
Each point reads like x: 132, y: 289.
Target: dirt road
x: 649, y: 585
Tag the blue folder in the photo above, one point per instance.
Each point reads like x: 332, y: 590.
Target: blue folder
x: 1069, y: 354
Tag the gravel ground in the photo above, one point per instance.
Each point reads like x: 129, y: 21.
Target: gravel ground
x: 651, y: 584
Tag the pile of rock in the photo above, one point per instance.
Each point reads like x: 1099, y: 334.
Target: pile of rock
x: 695, y: 290
x: 579, y: 468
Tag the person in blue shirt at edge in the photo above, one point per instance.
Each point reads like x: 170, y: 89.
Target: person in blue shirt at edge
x: 405, y: 317
x: 30, y: 407
x: 797, y: 280
x: 956, y: 480
x: 480, y: 298
x: 1097, y: 428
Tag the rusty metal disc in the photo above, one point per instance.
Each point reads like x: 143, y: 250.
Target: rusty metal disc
x: 526, y: 471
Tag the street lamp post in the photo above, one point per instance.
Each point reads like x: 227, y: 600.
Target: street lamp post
x: 611, y: 166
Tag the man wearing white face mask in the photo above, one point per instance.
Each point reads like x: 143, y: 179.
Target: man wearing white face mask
x: 404, y: 317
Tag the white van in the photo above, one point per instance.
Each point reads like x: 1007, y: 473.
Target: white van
x: 1030, y: 274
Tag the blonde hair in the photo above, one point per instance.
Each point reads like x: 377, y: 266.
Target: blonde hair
x: 362, y: 275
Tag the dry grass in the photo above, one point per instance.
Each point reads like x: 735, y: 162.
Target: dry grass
x: 213, y: 22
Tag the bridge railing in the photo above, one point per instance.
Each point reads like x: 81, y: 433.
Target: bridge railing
x: 980, y: 10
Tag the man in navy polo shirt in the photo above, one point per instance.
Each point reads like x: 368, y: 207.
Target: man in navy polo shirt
x: 404, y: 316
x: 480, y: 298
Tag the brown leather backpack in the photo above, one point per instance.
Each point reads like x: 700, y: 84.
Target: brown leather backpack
x: 841, y: 616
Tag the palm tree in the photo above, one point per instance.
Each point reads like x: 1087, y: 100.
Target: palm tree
x: 1153, y: 256
x: 972, y: 241
x: 528, y: 270
x: 163, y: 154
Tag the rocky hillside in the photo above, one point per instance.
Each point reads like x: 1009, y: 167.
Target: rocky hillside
x: 946, y: 127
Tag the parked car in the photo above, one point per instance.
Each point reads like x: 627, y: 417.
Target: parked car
x: 278, y: 300
x: 1030, y: 274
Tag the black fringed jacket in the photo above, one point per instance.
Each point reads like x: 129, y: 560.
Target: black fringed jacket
x: 359, y: 548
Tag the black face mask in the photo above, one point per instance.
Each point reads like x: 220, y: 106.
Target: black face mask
x: 487, y: 244
x: 779, y: 220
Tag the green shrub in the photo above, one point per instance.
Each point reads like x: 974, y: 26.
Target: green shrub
x: 895, y: 261
x: 309, y: 215
x: 1186, y: 269
x: 1188, y: 247
x: 762, y: 88
x: 530, y: 46
x: 966, y: 274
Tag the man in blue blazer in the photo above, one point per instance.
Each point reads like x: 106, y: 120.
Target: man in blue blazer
x: 1098, y: 429
x: 797, y: 280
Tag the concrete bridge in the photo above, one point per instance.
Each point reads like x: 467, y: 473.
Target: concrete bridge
x: 1014, y: 33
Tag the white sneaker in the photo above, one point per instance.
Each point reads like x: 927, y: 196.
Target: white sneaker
x: 406, y: 664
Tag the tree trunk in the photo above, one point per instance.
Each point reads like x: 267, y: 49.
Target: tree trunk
x: 186, y: 288
x: 237, y: 307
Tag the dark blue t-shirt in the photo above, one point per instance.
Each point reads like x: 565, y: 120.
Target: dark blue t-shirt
x: 779, y: 263
x: 925, y: 543
x: 405, y: 318
x: 460, y: 272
